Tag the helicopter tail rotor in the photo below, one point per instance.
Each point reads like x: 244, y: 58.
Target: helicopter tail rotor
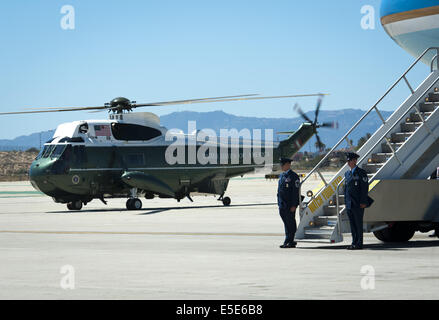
x: 302, y: 114
x: 315, y: 124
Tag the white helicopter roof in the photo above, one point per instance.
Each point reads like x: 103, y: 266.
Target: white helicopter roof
x: 72, y: 129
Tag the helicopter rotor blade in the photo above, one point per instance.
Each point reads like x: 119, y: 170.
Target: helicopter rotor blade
x: 319, y: 103
x: 107, y: 107
x: 155, y: 104
x: 302, y: 114
x: 54, y: 110
x: 332, y: 125
x: 319, y: 143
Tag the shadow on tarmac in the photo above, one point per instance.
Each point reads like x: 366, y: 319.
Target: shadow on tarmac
x: 394, y: 246
x: 158, y: 210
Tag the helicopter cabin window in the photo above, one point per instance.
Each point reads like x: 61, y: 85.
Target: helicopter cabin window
x: 83, y: 128
x: 133, y: 132
x: 133, y: 159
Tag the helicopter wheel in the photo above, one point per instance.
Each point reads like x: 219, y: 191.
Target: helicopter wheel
x: 134, y: 204
x: 75, y: 205
x: 226, y: 201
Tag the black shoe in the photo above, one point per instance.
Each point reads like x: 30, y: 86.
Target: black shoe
x: 351, y: 247
x: 289, y: 245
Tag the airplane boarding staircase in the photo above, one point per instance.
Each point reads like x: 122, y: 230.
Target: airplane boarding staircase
x: 405, y: 146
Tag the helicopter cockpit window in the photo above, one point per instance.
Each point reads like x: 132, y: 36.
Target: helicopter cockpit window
x: 47, y: 151
x: 133, y: 132
x: 58, y: 151
x: 40, y: 154
x: 74, y: 139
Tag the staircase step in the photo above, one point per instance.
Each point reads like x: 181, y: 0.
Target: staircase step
x: 372, y: 167
x: 341, y: 201
x: 415, y: 117
x: 433, y: 97
x: 380, y: 157
x: 329, y: 221
x: 400, y: 136
x: 318, y: 233
x: 386, y: 148
x: 428, y: 106
x: 331, y: 210
x: 410, y: 126
x: 314, y: 240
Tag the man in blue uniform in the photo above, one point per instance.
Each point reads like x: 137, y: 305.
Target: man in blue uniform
x: 356, y: 189
x: 288, y: 200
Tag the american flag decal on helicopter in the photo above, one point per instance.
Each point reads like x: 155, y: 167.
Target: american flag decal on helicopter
x: 102, y: 131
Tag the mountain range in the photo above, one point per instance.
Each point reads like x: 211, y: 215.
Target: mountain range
x: 217, y: 120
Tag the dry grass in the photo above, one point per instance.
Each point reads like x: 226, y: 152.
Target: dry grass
x: 14, y: 165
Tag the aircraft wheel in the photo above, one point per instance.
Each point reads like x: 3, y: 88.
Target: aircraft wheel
x: 399, y: 232
x: 75, y: 205
x: 226, y: 201
x: 134, y: 204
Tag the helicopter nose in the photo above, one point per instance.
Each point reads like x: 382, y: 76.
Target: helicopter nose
x: 38, y: 175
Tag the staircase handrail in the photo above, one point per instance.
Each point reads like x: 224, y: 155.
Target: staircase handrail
x: 374, y: 107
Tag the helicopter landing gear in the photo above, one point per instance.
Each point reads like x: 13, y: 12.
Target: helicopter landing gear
x: 134, y: 204
x: 226, y: 200
x: 75, y: 205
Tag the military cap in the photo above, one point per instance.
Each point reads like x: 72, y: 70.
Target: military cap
x: 351, y: 156
x: 285, y: 160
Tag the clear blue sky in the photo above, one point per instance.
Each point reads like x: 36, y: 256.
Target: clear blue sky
x: 165, y: 50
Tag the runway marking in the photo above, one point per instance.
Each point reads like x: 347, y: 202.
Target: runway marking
x: 21, y: 192
x: 239, y: 234
x: 28, y: 196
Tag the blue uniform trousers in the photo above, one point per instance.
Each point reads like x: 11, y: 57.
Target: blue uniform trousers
x: 356, y: 221
x: 289, y: 221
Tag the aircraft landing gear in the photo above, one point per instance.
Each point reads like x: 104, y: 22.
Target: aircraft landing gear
x: 226, y: 201
x: 134, y: 204
x: 75, y: 205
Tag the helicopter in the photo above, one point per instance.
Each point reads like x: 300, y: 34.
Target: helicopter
x: 126, y: 155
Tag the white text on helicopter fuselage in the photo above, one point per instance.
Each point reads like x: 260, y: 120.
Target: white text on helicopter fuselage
x: 231, y: 147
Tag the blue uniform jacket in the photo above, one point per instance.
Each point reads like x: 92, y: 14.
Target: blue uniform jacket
x: 356, y: 188
x: 288, y: 190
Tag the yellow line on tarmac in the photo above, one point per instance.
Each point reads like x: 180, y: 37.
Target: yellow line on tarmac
x: 239, y: 234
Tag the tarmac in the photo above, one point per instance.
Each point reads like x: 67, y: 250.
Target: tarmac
x: 199, y: 250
